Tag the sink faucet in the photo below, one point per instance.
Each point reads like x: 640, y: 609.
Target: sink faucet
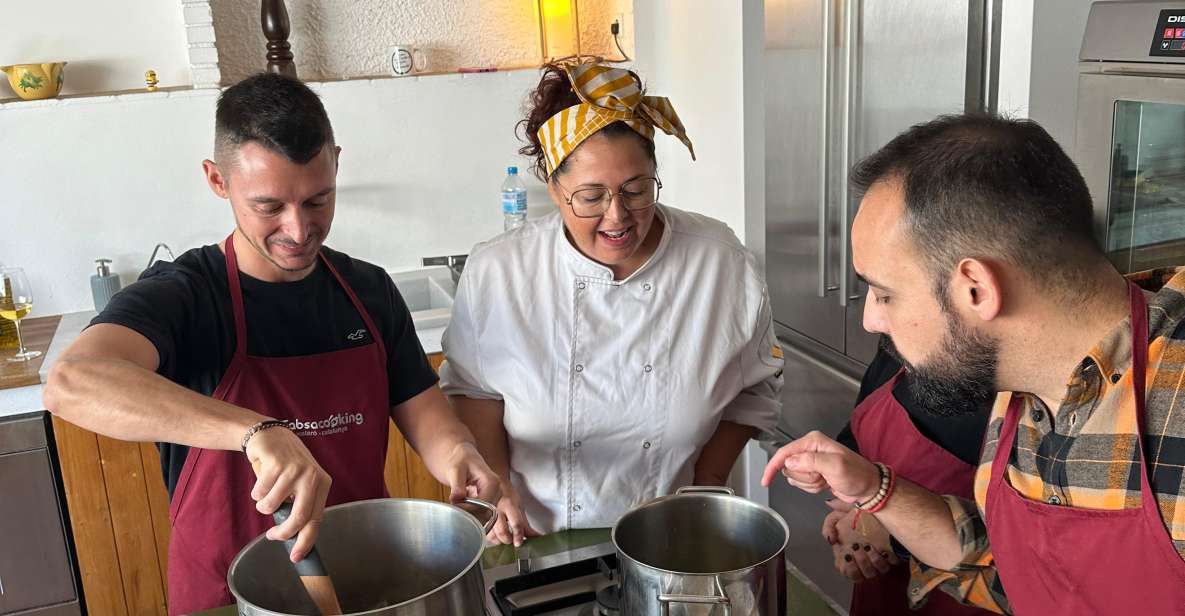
x: 155, y: 249
x: 454, y: 263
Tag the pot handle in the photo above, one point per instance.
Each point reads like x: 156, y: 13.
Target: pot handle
x: 665, y: 601
x: 488, y: 507
x: 706, y: 489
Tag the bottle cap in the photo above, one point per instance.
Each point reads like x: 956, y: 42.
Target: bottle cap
x: 102, y: 267
x: 512, y: 170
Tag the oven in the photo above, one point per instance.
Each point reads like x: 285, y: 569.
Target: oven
x: 1130, y: 141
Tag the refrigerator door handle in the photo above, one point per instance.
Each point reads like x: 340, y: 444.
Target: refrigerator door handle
x: 991, y: 88
x: 851, y: 70
x: 983, y: 56
x: 825, y: 140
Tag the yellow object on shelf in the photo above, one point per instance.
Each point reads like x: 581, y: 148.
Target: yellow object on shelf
x: 150, y: 81
x: 559, y: 29
x: 35, y: 81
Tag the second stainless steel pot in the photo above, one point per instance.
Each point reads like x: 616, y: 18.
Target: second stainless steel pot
x: 702, y: 552
x: 390, y: 557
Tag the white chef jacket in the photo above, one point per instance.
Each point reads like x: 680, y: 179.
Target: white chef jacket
x: 611, y: 388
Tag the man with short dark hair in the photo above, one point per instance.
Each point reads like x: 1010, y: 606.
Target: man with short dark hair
x: 974, y: 235
x: 268, y: 344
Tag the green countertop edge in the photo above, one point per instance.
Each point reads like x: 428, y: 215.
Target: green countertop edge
x: 802, y: 601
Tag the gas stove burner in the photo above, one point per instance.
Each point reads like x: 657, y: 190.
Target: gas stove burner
x: 609, y: 601
x: 586, y: 587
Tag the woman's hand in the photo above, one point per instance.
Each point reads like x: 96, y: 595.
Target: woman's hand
x: 861, y: 553
x: 512, y: 526
x: 469, y: 476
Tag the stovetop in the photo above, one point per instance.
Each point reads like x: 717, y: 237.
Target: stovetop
x: 568, y: 583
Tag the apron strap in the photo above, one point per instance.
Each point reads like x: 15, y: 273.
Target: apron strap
x: 374, y: 331
x: 1005, y: 442
x: 1139, y: 373
x: 236, y: 300
x: 1139, y: 311
x: 236, y: 296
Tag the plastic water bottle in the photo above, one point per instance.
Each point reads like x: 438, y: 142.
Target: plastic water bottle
x: 514, y: 200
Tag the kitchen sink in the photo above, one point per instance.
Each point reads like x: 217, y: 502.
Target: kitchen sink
x: 428, y: 293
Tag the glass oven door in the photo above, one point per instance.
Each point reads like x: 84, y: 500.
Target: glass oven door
x: 1146, y: 199
x: 1131, y: 148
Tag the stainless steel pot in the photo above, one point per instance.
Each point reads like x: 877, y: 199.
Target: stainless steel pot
x: 391, y: 556
x: 702, y: 552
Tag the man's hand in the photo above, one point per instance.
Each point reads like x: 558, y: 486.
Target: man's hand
x: 469, y: 476
x: 512, y: 526
x: 861, y: 553
x: 815, y: 463
x: 284, y: 468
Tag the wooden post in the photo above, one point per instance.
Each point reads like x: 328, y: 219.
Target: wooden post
x: 273, y: 16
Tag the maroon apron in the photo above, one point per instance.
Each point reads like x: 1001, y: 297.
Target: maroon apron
x: 337, y: 403
x: 886, y: 434
x: 1065, y: 560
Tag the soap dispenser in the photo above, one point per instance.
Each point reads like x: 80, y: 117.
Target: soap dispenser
x: 104, y: 284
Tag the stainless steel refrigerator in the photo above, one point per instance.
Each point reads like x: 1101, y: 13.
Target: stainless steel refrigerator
x: 842, y: 78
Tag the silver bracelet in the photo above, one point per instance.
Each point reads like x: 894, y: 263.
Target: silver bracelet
x: 261, y: 426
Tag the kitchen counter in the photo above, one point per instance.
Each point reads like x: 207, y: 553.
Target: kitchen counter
x: 430, y: 339
x: 800, y: 598
x: 26, y: 398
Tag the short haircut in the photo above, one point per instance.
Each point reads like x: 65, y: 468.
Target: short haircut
x: 988, y: 187
x: 280, y: 113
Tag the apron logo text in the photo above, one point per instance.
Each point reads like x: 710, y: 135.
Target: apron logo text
x: 339, y: 422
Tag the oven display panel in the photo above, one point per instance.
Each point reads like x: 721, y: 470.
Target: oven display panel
x: 1169, y: 39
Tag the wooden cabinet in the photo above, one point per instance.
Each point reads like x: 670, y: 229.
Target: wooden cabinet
x: 119, y: 511
x: 405, y: 473
x: 120, y: 515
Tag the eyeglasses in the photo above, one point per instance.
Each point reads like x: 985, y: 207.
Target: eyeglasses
x: 635, y: 195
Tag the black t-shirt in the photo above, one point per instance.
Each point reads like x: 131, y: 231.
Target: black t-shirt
x: 961, y: 436
x: 184, y: 309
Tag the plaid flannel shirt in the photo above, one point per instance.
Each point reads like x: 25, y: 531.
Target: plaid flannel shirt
x: 1084, y: 455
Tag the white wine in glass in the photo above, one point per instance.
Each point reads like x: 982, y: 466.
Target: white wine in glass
x: 16, y: 300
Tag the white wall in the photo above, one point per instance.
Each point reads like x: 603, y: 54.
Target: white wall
x: 1016, y: 54
x: 753, y: 125
x: 352, y: 39
x: 1058, y: 26
x: 111, y: 176
x: 691, y: 52
x: 108, y: 45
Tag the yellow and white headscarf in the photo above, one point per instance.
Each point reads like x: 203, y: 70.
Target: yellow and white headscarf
x: 607, y: 95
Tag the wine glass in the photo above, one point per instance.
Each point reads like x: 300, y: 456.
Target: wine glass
x: 16, y: 300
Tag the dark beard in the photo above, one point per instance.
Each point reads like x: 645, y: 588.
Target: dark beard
x: 960, y: 379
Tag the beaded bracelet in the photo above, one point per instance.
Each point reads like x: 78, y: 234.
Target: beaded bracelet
x: 888, y: 480
x: 259, y: 427
x: 888, y: 492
